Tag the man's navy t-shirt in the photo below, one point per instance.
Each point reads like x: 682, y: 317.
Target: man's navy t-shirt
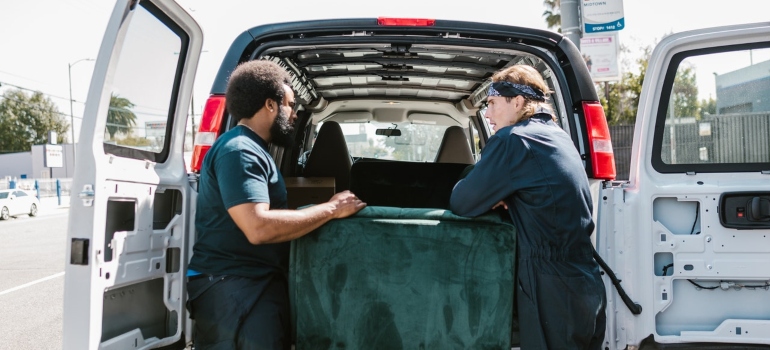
x: 237, y: 169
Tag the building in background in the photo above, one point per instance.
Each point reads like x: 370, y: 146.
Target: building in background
x: 30, y: 165
x: 744, y: 90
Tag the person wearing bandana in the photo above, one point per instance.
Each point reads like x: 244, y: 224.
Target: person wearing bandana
x: 531, y: 168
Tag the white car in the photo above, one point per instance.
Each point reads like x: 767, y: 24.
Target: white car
x: 17, y: 202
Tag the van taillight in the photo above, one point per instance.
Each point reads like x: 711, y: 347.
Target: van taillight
x: 209, y: 130
x: 599, y: 143
x: 411, y: 22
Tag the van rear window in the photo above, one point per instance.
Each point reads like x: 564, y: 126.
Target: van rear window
x: 714, y: 115
x: 144, y: 88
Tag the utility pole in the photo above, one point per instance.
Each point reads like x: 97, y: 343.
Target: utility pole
x: 570, y: 21
x: 72, y: 115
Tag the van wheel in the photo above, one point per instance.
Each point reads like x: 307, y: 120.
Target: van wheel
x: 4, y: 215
x: 33, y: 210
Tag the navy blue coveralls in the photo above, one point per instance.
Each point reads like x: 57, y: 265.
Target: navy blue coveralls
x: 534, y: 167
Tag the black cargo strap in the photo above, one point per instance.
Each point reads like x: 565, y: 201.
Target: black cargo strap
x: 635, y: 308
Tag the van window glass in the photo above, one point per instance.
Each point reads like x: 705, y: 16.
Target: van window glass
x: 717, y: 110
x: 20, y: 194
x: 143, y: 95
x: 4, y: 195
x: 417, y: 142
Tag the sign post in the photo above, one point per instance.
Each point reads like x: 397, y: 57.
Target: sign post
x: 602, y: 15
x: 53, y: 154
x: 600, y: 52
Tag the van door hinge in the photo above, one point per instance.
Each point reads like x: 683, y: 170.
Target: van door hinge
x: 87, y: 195
x: 450, y: 35
x: 361, y: 33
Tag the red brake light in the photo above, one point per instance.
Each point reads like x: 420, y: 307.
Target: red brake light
x: 599, y: 142
x: 411, y: 22
x: 209, y: 130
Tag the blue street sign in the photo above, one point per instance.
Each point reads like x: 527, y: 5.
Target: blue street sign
x: 605, y: 27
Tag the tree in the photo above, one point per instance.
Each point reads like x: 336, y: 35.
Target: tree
x: 553, y: 14
x: 25, y: 120
x: 120, y: 118
x: 708, y: 107
x: 623, y: 101
x: 684, y: 93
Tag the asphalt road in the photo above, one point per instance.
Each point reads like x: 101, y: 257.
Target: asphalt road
x: 32, y: 252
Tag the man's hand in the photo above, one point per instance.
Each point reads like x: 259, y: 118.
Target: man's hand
x: 500, y: 203
x: 345, y: 204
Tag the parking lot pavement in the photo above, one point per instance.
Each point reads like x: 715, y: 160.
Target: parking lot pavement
x: 51, y: 205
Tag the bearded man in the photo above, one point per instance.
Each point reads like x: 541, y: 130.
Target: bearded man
x: 237, y: 277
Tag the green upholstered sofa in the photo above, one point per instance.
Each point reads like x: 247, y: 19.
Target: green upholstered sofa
x: 393, y: 278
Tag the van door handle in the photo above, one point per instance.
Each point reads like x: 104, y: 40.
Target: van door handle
x: 87, y: 195
x: 760, y: 209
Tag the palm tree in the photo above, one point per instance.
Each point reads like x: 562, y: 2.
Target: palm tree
x: 120, y: 118
x: 552, y: 14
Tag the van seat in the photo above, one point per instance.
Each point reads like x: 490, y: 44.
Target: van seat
x: 330, y: 157
x: 454, y: 147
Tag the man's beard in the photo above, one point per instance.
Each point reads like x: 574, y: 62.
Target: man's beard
x: 281, y: 131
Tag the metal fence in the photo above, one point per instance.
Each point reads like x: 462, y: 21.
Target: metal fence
x: 42, y: 188
x: 724, y: 138
x: 622, y: 139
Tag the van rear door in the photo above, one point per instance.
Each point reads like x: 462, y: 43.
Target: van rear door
x: 689, y: 234
x: 130, y: 224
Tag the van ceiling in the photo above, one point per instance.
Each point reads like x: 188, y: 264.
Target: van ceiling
x: 424, y: 72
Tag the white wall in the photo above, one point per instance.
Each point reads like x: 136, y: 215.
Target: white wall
x: 16, y: 164
x: 40, y: 171
x: 31, y: 164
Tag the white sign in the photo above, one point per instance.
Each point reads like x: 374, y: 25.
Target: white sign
x: 602, y: 15
x: 155, y: 129
x: 53, y: 156
x: 600, y: 52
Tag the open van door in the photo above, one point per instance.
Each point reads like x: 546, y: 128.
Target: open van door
x: 132, y: 206
x: 689, y: 234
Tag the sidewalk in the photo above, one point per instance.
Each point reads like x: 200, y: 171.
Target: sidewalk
x: 50, y: 205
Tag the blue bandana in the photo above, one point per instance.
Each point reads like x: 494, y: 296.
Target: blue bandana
x: 508, y: 89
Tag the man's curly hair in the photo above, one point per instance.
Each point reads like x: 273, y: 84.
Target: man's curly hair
x: 251, y: 84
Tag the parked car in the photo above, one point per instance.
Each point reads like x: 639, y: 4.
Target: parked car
x: 17, y: 202
x: 687, y: 234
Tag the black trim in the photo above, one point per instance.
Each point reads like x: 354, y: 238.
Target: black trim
x: 569, y: 68
x: 649, y: 343
x: 660, y: 120
x: 162, y: 156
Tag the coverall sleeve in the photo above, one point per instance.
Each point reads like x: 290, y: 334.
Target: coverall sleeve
x: 491, y: 180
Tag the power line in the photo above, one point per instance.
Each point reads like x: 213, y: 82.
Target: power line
x: 36, y: 91
x: 33, y: 107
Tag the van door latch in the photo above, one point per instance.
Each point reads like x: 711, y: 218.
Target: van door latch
x: 87, y: 195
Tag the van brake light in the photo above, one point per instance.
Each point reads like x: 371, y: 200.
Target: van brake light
x: 599, y: 141
x: 211, y: 123
x: 411, y: 22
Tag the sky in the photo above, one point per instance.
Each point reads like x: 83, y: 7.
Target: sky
x: 39, y: 39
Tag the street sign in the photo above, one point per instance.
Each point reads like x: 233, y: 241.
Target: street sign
x: 53, y: 156
x: 602, y: 15
x: 600, y: 51
x: 155, y: 129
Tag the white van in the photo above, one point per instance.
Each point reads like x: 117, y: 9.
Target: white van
x: 686, y: 234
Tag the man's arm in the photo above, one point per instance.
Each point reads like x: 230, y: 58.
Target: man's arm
x: 263, y: 226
